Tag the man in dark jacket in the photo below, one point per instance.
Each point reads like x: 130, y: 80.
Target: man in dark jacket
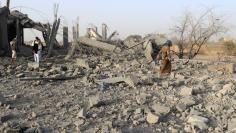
x: 36, y: 50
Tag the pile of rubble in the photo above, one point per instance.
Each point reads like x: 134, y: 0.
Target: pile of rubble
x: 114, y: 93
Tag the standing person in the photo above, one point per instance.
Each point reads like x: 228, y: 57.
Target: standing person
x: 164, y: 56
x: 40, y: 48
x: 13, y: 50
x: 36, y: 50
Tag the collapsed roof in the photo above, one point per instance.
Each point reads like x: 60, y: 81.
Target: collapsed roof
x: 12, y: 25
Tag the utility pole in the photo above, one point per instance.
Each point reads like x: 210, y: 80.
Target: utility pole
x: 8, y: 3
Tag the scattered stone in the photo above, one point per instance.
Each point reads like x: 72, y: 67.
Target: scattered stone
x: 180, y: 77
x: 141, y: 99
x: 186, y: 91
x: 188, y: 101
x: 152, y: 118
x: 6, y: 117
x: 2, y: 99
x: 33, y: 115
x: 198, y: 121
x: 160, y: 109
x: 181, y: 107
x: 227, y: 89
x: 82, y: 63
x: 93, y: 101
x: 33, y: 66
x: 82, y: 114
x: 232, y: 125
x: 138, y: 111
x: 21, y: 75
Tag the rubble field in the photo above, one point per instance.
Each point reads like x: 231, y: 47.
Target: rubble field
x: 116, y: 94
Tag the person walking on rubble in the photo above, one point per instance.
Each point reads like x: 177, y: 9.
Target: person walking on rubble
x: 13, y: 50
x: 164, y: 56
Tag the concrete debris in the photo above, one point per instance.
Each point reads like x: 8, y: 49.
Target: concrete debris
x: 82, y: 114
x: 2, y: 99
x: 141, y: 99
x: 98, y: 90
x: 93, y: 101
x: 181, y: 107
x: 6, y: 117
x: 228, y: 89
x: 188, y: 101
x: 232, y: 125
x: 82, y: 63
x: 33, y: 66
x: 186, y: 91
x: 198, y: 121
x: 98, y: 44
x: 152, y: 118
x: 160, y: 109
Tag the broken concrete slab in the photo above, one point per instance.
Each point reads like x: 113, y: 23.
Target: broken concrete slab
x: 98, y: 44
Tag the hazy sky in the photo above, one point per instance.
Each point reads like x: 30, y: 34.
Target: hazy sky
x: 125, y: 16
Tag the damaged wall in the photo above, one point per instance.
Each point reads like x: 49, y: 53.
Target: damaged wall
x: 4, y: 44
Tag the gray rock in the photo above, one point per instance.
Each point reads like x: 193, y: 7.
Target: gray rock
x: 188, y: 101
x: 20, y: 75
x: 33, y: 65
x: 227, y: 89
x: 198, y: 121
x: 141, y: 99
x: 6, y: 117
x: 160, y: 109
x: 232, y: 125
x: 93, y: 101
x: 2, y: 99
x: 186, y: 91
x: 181, y: 107
x: 82, y: 114
x: 152, y: 118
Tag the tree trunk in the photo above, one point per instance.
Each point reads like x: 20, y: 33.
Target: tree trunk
x: 181, y: 51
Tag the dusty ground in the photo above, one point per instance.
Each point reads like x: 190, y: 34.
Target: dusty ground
x: 191, y: 99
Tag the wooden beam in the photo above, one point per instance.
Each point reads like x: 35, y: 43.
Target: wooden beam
x: 47, y: 78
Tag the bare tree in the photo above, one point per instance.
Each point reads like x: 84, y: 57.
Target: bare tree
x: 193, y: 32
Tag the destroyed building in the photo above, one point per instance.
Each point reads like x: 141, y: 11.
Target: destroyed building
x: 12, y: 25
